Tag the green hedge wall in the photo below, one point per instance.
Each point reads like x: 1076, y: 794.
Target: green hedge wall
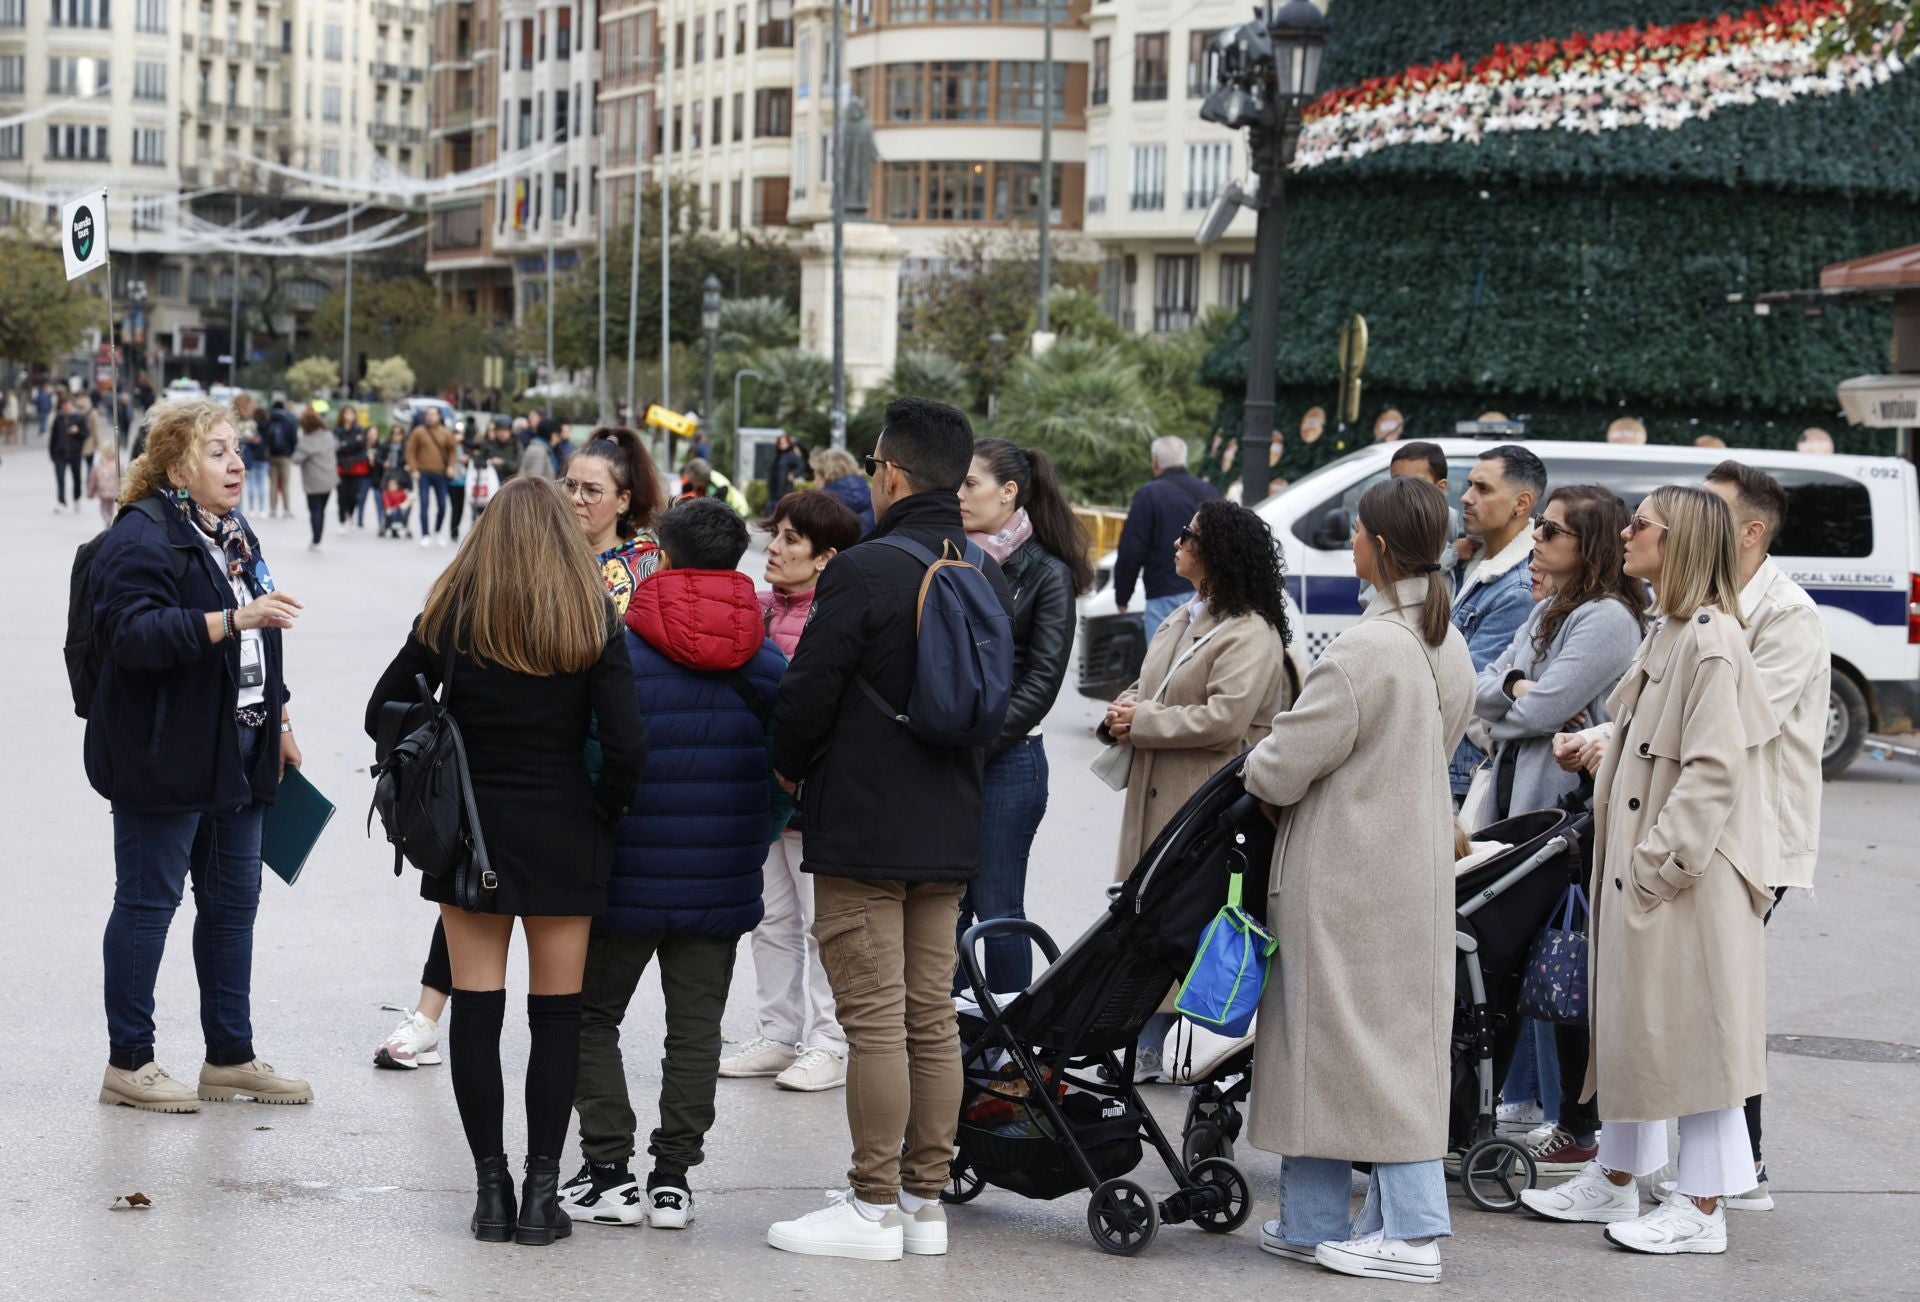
x: 1573, y: 279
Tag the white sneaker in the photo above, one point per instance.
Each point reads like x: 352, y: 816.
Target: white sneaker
x: 1519, y: 1118
x: 623, y: 1204
x: 426, y: 540
x: 924, y: 1233
x: 1148, y: 1066
x: 1757, y: 1199
x: 813, y: 1071
x: 758, y: 1057
x: 1675, y: 1226
x: 414, y: 1043
x: 1378, y: 1257
x: 839, y: 1230
x: 1270, y: 1241
x: 670, y: 1207
x: 1588, y: 1198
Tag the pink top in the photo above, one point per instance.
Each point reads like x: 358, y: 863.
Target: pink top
x: 786, y: 616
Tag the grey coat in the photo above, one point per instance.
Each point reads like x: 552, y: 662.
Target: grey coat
x: 318, y: 456
x: 1578, y: 672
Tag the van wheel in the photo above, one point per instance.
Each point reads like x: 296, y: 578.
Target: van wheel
x: 1846, y: 725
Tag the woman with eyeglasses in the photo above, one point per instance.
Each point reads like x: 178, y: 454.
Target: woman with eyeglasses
x: 1214, y: 676
x: 1556, y: 674
x: 1677, y: 966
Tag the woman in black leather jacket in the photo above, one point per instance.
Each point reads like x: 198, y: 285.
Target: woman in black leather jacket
x: 1012, y: 507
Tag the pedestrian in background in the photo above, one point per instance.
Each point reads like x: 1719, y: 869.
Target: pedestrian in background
x: 253, y: 450
x: 1562, y: 665
x: 1679, y: 894
x: 686, y: 864
x: 356, y: 466
x: 188, y: 736
x: 318, y: 456
x: 893, y: 838
x: 536, y: 458
x: 799, y: 1043
x: 836, y: 473
x: 1214, y: 676
x: 787, y: 466
x: 432, y: 449
x: 537, y: 655
x: 1013, y: 509
x: 65, y: 442
x: 1352, y: 1056
x: 1493, y: 592
x: 283, y: 435
x: 103, y: 485
x: 1160, y: 509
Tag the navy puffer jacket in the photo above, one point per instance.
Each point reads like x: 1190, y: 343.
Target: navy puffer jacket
x: 687, y: 857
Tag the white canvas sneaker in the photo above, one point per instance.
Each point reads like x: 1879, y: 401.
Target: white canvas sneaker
x: 1518, y: 1118
x: 1587, y: 1198
x: 758, y: 1057
x: 839, y: 1230
x: 1675, y: 1226
x: 414, y: 1043
x: 1378, y: 1257
x: 813, y: 1071
x: 924, y: 1233
x: 1270, y: 1241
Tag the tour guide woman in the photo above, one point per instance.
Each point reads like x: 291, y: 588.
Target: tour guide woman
x: 537, y: 653
x: 187, y: 736
x: 1678, y: 969
x: 1351, y: 1052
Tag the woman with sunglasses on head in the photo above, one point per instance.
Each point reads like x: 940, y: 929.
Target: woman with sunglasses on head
x: 1213, y: 678
x: 1012, y: 507
x: 1678, y: 895
x: 1557, y: 673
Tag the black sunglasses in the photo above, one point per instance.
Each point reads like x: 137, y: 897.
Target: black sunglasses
x: 874, y: 464
x: 1549, y: 529
x: 1187, y: 534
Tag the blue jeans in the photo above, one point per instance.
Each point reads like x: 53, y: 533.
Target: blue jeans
x: 433, y: 488
x: 1013, y: 799
x: 154, y: 855
x: 1405, y: 1200
x: 1158, y: 608
x: 257, y: 486
x: 1535, y: 1070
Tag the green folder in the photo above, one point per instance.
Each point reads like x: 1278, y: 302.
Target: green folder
x: 293, y: 825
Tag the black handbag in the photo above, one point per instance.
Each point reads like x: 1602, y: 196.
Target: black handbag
x: 423, y: 791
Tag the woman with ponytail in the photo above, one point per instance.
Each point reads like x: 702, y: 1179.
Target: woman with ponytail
x: 1352, y: 1047
x: 616, y: 496
x: 1012, y: 507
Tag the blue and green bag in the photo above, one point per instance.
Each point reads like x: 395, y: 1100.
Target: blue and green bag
x: 1222, y: 989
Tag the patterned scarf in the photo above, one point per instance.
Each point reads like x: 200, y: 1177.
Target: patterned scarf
x: 226, y: 529
x: 1009, y: 540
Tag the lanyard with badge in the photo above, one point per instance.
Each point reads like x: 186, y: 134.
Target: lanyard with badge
x: 257, y: 579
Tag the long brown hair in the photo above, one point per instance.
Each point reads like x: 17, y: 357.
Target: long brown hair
x: 522, y: 593
x: 1407, y: 518
x: 1595, y: 516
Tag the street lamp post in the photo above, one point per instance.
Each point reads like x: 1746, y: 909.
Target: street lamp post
x: 710, y: 323
x: 997, y: 346
x: 1268, y: 72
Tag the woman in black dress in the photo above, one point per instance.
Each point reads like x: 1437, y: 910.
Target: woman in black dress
x: 538, y: 654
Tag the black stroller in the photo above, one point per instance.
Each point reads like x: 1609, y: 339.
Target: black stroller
x: 1050, y: 1106
x: 1501, y: 905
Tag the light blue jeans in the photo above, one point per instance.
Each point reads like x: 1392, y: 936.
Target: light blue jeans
x: 1534, y: 1073
x: 1158, y: 608
x: 1405, y: 1200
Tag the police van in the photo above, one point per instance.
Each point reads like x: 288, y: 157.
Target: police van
x: 1851, y: 539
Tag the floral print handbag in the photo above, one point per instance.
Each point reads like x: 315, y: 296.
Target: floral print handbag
x: 1555, y: 986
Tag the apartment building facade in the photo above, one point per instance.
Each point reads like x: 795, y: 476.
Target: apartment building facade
x: 1153, y: 166
x: 464, y: 130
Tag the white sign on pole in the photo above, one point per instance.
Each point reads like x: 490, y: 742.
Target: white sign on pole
x: 83, y: 233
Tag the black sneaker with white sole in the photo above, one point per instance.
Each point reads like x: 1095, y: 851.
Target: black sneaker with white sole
x: 603, y: 1198
x: 670, y: 1203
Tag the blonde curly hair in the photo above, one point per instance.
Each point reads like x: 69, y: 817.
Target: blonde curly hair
x: 177, y: 433
x: 829, y: 464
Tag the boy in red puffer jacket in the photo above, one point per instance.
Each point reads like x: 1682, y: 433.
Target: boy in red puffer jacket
x: 686, y: 881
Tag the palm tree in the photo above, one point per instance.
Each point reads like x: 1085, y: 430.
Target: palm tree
x: 1089, y: 407
x: 748, y: 325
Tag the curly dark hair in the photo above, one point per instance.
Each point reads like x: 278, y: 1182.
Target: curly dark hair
x: 1245, y: 572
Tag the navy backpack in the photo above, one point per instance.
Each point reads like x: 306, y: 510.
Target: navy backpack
x: 963, y: 669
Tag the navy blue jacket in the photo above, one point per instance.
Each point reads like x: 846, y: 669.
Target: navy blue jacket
x: 1159, y: 511
x: 687, y: 857
x: 161, y: 735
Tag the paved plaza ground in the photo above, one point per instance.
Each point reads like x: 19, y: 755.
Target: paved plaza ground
x: 366, y: 1193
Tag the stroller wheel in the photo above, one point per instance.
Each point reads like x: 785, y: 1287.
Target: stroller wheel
x: 1205, y: 1141
x: 1122, y: 1218
x: 1218, y: 1173
x: 1495, y: 1172
x: 964, y: 1183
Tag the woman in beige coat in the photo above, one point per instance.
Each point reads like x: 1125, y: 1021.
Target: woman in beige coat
x: 1214, y: 675
x: 1352, y: 1049
x: 1678, y: 962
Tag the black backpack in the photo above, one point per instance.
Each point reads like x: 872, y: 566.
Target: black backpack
x: 423, y: 791
x: 83, y: 662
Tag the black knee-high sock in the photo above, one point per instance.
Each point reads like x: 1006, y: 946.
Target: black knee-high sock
x: 553, y: 1068
x: 473, y: 1046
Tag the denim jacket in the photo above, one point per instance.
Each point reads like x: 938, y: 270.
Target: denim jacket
x: 1495, y: 597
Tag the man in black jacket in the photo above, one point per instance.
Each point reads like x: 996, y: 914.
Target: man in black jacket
x: 893, y: 838
x: 1159, y: 511
x: 66, y: 444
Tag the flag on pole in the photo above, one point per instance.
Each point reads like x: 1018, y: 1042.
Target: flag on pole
x: 83, y: 224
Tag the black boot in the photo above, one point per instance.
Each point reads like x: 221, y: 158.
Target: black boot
x: 493, y: 1210
x: 541, y: 1219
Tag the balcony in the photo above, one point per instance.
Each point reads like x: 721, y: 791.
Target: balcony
x: 240, y: 50
x: 394, y: 72
x: 386, y: 13
x: 212, y: 45
x: 239, y: 115
x: 457, y: 120
x: 269, y: 53
x: 391, y: 133
x: 271, y: 117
